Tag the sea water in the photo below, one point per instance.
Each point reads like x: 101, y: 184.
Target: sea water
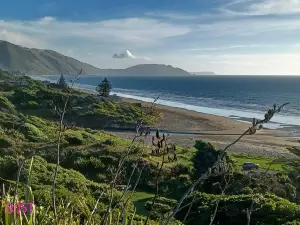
x: 238, y: 97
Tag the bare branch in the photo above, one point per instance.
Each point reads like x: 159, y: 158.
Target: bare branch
x: 59, y: 138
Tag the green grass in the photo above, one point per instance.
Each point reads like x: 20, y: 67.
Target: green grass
x: 263, y: 162
x: 139, y: 199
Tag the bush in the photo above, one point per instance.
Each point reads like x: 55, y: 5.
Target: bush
x: 291, y: 191
x: 33, y: 133
x: 279, y: 192
x: 30, y: 105
x: 268, y: 209
x: 6, y: 105
x: 247, y: 190
x: 74, y: 140
x: 5, y: 142
x: 8, y: 167
x: 109, y: 142
x: 295, y: 222
x: 179, y: 169
x: 5, y: 86
x: 205, y: 157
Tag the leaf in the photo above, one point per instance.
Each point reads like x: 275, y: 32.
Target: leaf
x: 124, y: 222
x: 29, y: 198
x: 118, y: 217
x: 133, y: 215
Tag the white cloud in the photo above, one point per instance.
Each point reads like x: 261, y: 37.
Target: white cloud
x: 261, y: 64
x: 122, y: 31
x: 262, y: 7
x: 172, y: 39
x: 253, y: 26
x: 125, y: 55
x: 20, y: 39
x: 172, y: 15
x: 46, y: 20
x: 128, y: 55
x: 225, y: 47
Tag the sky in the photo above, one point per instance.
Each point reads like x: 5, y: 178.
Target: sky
x: 230, y: 37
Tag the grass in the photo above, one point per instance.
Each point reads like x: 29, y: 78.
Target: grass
x: 263, y: 162
x: 139, y: 199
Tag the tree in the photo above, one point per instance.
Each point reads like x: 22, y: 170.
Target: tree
x: 62, y: 82
x: 104, y: 88
x: 205, y: 157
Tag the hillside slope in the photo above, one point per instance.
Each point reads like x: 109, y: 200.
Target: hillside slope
x: 36, y: 61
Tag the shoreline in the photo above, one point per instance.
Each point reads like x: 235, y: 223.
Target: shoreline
x: 218, y: 130
x: 279, y: 122
x: 210, y: 124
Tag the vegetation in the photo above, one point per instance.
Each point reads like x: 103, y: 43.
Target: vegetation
x: 62, y: 82
x: 103, y: 179
x: 264, y: 162
x: 104, y: 88
x: 232, y: 209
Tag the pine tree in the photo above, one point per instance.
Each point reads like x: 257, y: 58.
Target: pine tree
x: 104, y: 88
x: 62, y: 82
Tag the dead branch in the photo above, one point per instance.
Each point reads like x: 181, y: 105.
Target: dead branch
x: 162, y: 143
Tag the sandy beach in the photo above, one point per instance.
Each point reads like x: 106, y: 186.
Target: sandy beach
x: 218, y: 130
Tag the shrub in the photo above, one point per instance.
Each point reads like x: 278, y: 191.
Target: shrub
x: 279, y: 192
x: 5, y: 86
x: 247, y: 190
x: 205, y: 157
x: 180, y: 168
x: 109, y: 142
x: 291, y: 191
x: 5, y: 142
x: 268, y: 209
x: 30, y: 105
x: 74, y: 140
x: 33, y: 133
x: 8, y: 167
x: 295, y: 222
x: 6, y: 105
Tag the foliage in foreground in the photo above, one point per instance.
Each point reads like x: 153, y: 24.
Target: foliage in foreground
x: 268, y: 209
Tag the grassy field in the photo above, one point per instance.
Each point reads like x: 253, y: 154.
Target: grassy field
x: 264, y: 163
x: 139, y: 199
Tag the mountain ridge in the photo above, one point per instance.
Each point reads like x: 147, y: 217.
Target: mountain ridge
x: 35, y: 61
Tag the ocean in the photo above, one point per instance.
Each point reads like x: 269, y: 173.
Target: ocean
x: 238, y: 97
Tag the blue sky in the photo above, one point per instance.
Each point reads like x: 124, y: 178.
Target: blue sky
x: 224, y: 36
